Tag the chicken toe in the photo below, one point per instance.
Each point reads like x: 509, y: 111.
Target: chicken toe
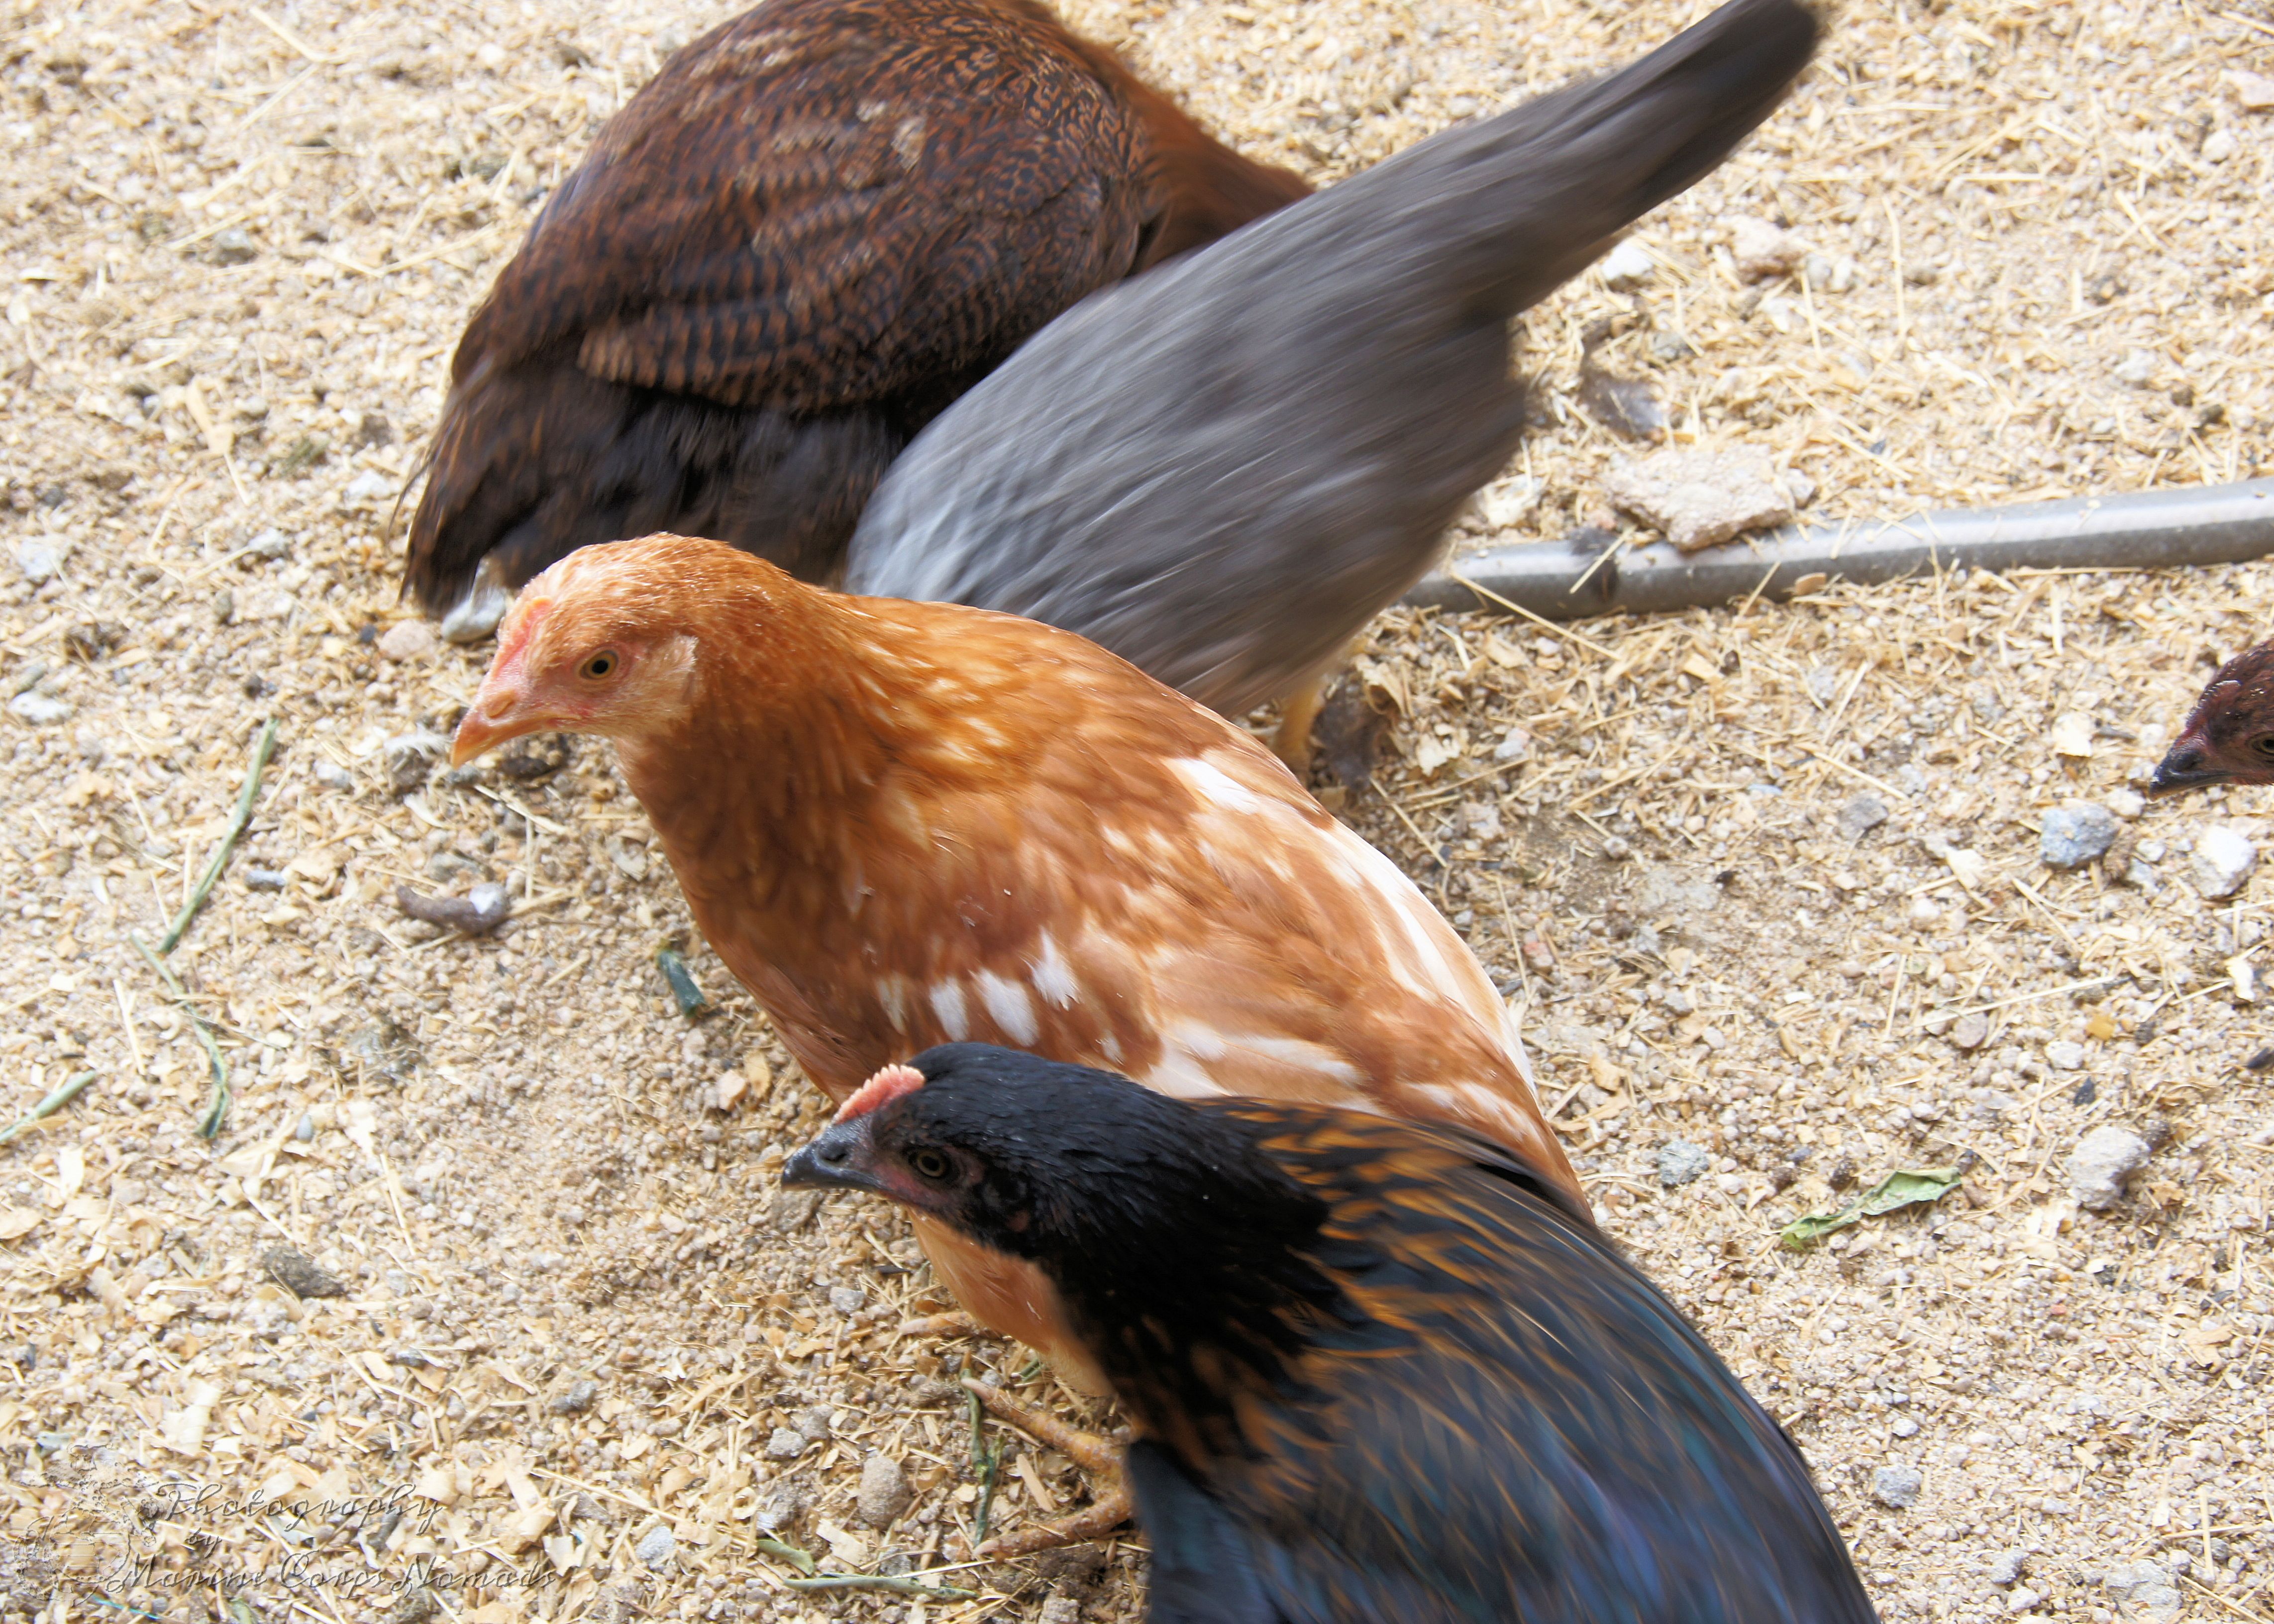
x: 1099, y: 1454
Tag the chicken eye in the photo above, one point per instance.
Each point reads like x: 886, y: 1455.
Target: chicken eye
x: 599, y: 667
x: 929, y: 1164
x: 2263, y: 744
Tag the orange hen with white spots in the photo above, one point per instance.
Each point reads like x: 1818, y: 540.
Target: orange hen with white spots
x: 902, y: 824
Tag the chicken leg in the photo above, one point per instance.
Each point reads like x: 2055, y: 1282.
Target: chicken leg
x: 1297, y: 713
x: 1099, y: 1454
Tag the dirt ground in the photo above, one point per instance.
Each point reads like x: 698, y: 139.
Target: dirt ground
x: 1766, y: 881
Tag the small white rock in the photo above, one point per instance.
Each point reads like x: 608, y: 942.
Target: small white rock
x: 2254, y: 91
x: 40, y: 710
x: 1698, y: 498
x: 2222, y: 861
x: 2101, y: 1163
x: 368, y: 487
x: 2219, y: 147
x: 2065, y: 1057
x: 407, y: 640
x: 2006, y: 1567
x: 1763, y: 250
x: 1515, y: 746
x: 2022, y: 1599
x: 2125, y: 802
x: 38, y: 562
x: 1628, y: 265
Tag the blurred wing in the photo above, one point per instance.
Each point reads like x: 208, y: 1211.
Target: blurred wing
x: 819, y: 204
x: 1551, y: 1440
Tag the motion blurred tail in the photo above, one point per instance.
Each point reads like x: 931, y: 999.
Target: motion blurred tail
x: 1527, y: 199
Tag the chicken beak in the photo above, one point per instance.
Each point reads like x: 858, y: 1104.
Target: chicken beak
x: 491, y: 720
x: 2182, y: 769
x: 839, y: 1159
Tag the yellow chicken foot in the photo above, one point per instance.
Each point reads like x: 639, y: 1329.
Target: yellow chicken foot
x: 1098, y: 1454
x: 1297, y: 714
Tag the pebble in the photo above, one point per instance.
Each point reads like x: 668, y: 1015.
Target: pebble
x: 1924, y: 912
x: 1898, y: 1487
x: 847, y: 1299
x: 1861, y: 816
x: 408, y: 640
x: 1698, y: 498
x: 2022, y: 1599
x: 2222, y: 861
x: 1060, y: 1610
x: 2102, y: 1162
x: 331, y: 775
x: 266, y: 879
x: 2075, y: 833
x: 38, y: 562
x: 1763, y: 250
x: 2127, y: 802
x: 2145, y: 1592
x: 1515, y: 746
x: 41, y: 710
x: 1628, y: 265
x: 813, y: 1425
x: 2006, y: 1567
x: 224, y: 606
x: 2065, y: 1057
x: 2254, y: 91
x: 885, y: 1493
x: 1670, y: 346
x: 2219, y: 147
x: 272, y: 544
x: 2137, y: 367
x: 657, y: 1546
x: 1903, y: 1426
x: 1970, y: 1033
x: 299, y: 1275
x: 305, y: 1130
x: 576, y: 1400
x: 1681, y: 1162
x: 368, y: 487
x: 784, y: 1445
x: 233, y: 246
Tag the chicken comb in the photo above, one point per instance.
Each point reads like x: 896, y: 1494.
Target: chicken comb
x: 887, y: 1085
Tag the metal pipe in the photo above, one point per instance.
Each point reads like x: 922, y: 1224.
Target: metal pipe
x: 1561, y: 580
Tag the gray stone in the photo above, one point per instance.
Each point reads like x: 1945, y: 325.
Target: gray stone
x: 576, y: 1400
x: 2021, y: 1599
x: 38, y: 562
x: 2102, y: 1162
x: 1626, y: 265
x: 1898, y: 1487
x: 2075, y: 833
x: 2145, y: 1591
x: 2255, y: 92
x: 784, y: 1445
x: 885, y: 1493
x: 272, y: 544
x: 1670, y: 346
x: 1681, y: 1162
x: 40, y: 710
x: 657, y: 1546
x: 2222, y: 861
x: 1515, y: 746
x: 2006, y: 1567
x: 369, y: 486
x: 224, y: 606
x: 1863, y: 813
x: 847, y: 1299
x: 2127, y: 802
x: 1698, y: 498
x: 233, y: 246
x: 331, y: 775
x: 813, y: 1425
x: 2219, y: 146
x: 2065, y: 1056
x: 266, y: 879
x: 1970, y: 1032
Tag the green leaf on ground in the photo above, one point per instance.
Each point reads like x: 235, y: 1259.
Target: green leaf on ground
x: 1903, y: 1187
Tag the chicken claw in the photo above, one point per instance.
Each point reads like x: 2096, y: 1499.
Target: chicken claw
x: 1099, y: 1454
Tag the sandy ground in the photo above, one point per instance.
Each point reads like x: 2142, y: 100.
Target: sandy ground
x: 1766, y: 881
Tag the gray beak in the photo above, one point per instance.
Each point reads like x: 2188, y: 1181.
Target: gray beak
x: 839, y: 1159
x: 2183, y: 769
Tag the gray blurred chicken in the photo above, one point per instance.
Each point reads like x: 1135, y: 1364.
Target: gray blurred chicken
x: 1222, y: 469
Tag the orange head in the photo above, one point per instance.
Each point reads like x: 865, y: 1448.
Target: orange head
x: 605, y: 641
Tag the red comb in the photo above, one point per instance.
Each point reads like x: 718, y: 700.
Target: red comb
x: 887, y: 1085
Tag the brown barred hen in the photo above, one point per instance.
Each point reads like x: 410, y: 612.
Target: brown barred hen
x: 816, y: 227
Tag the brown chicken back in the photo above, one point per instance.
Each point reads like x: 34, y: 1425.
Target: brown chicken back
x: 818, y: 226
